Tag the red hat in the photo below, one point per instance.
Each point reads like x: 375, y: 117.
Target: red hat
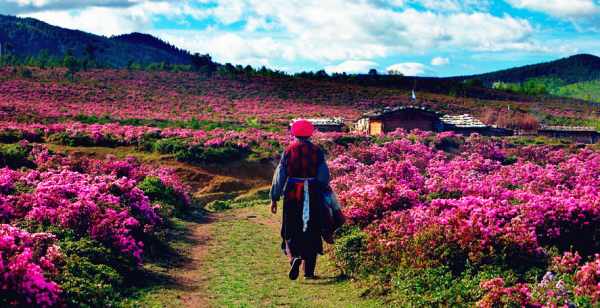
x: 302, y: 128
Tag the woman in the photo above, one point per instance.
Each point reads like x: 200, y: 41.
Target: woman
x: 301, y: 177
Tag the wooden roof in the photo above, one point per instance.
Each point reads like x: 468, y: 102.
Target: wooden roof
x: 390, y: 110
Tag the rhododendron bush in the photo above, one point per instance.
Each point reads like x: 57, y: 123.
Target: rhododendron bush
x: 99, y: 200
x: 191, y: 145
x: 482, y: 202
x: 25, y: 262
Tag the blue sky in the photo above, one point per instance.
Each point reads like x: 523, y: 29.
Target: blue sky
x: 414, y: 37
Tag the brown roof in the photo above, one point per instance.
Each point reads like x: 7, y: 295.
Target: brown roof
x: 388, y: 110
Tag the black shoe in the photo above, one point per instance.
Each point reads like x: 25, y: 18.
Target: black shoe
x: 295, y: 269
x: 310, y: 277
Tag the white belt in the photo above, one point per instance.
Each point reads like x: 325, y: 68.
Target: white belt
x: 306, y: 203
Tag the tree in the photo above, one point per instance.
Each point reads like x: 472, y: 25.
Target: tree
x: 71, y: 63
x: 373, y: 72
x: 322, y: 74
x: 395, y: 73
x: 248, y: 71
x: 203, y: 63
x: 90, y: 56
x: 476, y: 83
x: 43, y: 58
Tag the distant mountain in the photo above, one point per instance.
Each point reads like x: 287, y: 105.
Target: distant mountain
x: 578, y: 68
x: 25, y: 37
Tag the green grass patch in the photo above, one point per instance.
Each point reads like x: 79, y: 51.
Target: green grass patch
x: 249, y: 270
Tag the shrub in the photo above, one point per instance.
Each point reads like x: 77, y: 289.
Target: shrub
x: 27, y: 264
x: 202, y: 154
x: 157, y: 191
x: 170, y: 146
x: 11, y: 135
x: 219, y: 205
x: 349, y: 250
x: 347, y: 140
x: 65, y: 138
x: 90, y: 274
x: 15, y: 156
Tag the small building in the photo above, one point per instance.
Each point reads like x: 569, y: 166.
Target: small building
x: 405, y: 117
x: 326, y: 124
x: 466, y: 124
x: 580, y: 134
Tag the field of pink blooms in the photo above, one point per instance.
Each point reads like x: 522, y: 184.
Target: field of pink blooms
x: 169, y: 96
x: 493, y: 223
x: 434, y: 220
x: 72, y: 229
x: 123, y: 94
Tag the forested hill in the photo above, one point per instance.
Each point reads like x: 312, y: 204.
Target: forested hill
x: 25, y: 37
x: 578, y: 68
x: 142, y: 39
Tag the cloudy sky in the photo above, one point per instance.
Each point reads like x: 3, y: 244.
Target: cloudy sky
x: 415, y: 37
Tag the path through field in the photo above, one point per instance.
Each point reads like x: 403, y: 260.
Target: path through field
x: 241, y: 266
x: 235, y: 262
x: 230, y: 258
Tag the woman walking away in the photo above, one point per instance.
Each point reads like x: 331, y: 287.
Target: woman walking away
x: 301, y: 178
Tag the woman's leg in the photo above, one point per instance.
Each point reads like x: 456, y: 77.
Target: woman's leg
x: 310, y: 262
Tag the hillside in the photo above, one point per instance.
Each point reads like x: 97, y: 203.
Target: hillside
x: 176, y: 98
x: 578, y: 68
x: 25, y: 37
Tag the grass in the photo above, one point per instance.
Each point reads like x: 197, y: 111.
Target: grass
x: 241, y: 266
x: 118, y: 152
x: 162, y: 285
x: 247, y: 268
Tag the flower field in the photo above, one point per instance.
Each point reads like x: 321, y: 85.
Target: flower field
x: 72, y: 229
x: 434, y: 220
x: 168, y: 96
x: 504, y: 224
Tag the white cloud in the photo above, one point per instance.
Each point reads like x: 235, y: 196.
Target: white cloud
x: 336, y: 30
x: 439, y: 61
x: 113, y: 22
x: 351, y: 66
x: 318, y: 31
x: 229, y: 47
x: 408, y: 68
x: 560, y: 8
x: 454, y: 5
x: 30, y: 6
x: 114, y: 19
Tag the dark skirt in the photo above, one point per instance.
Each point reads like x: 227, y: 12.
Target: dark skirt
x: 299, y: 243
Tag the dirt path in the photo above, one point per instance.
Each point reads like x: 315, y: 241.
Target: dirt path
x: 245, y: 268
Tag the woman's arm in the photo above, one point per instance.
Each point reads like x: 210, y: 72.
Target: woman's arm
x: 323, y: 171
x: 279, y: 180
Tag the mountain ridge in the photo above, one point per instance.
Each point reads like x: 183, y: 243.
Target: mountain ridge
x: 572, y: 69
x: 26, y: 37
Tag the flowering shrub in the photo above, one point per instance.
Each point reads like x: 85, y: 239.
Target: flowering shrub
x: 25, y: 261
x: 217, y: 145
x: 423, y: 207
x: 587, y: 279
x: 82, y: 205
x: 500, y: 295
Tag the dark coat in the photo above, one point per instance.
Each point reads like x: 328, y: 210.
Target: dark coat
x: 301, y: 159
